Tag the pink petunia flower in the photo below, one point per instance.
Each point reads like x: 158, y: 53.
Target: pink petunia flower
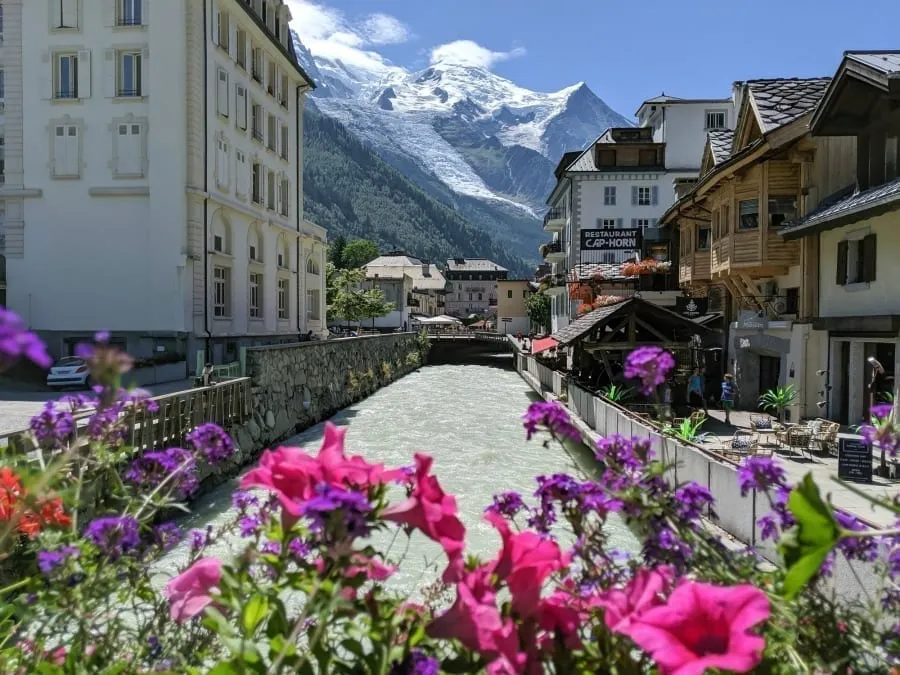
x: 476, y: 622
x: 293, y: 475
x: 647, y: 589
x: 525, y: 562
x: 703, y: 627
x: 429, y: 509
x: 192, y: 591
x: 561, y: 615
x: 373, y: 569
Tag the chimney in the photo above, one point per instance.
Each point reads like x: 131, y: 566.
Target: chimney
x: 737, y: 97
x: 683, y: 186
x: 426, y: 270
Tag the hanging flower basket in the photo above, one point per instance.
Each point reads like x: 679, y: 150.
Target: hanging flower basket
x: 581, y: 291
x: 648, y: 266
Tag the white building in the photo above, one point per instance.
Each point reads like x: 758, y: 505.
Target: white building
x: 473, y: 286
x: 413, y: 286
x: 153, y: 174
x: 625, y: 180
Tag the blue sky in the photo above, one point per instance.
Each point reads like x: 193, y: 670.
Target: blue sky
x: 626, y: 50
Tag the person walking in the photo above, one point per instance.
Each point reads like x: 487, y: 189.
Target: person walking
x: 695, y: 391
x: 728, y: 392
x: 876, y: 384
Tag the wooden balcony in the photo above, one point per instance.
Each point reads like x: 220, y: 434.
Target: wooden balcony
x: 694, y: 268
x: 755, y: 253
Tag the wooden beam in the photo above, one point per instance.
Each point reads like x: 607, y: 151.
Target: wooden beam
x: 606, y: 365
x: 632, y: 328
x: 628, y: 346
x: 646, y: 326
x: 609, y: 336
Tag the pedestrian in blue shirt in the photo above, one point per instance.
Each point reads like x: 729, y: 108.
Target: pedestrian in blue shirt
x: 728, y: 392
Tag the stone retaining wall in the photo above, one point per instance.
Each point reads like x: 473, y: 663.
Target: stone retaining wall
x: 296, y: 386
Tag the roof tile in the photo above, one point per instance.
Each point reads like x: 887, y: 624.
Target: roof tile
x: 842, y: 203
x: 720, y: 142
x: 781, y: 101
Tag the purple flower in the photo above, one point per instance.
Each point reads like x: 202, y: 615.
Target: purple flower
x: 113, y: 535
x: 106, y: 363
x: 199, y: 538
x: 416, y: 663
x: 881, y: 411
x: 691, y: 500
x: 76, y: 402
x: 52, y: 427
x: 50, y: 561
x: 552, y: 416
x: 16, y: 342
x: 856, y: 548
x: 250, y: 525
x: 507, y: 504
x: 242, y: 501
x: 137, y: 399
x: 650, y: 365
x: 175, y: 464
x: 760, y: 473
x: 768, y: 528
x: 883, y: 435
x: 271, y: 547
x: 298, y: 548
x: 349, y: 508
x: 167, y: 536
x: 664, y: 546
x: 106, y: 426
x: 212, y: 442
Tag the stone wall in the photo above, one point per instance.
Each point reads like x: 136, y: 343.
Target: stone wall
x: 295, y: 386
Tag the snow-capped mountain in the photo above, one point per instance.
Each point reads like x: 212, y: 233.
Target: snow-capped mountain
x: 480, y: 135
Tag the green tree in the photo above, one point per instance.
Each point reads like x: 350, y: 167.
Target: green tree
x: 374, y: 304
x: 336, y: 251
x: 358, y: 252
x: 348, y: 303
x: 538, y: 309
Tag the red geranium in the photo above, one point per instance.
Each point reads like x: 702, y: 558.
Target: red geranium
x: 28, y: 521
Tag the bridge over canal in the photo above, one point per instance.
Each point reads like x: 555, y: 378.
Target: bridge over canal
x: 477, y: 348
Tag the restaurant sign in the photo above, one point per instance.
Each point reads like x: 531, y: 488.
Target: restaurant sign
x: 691, y: 307
x: 611, y: 240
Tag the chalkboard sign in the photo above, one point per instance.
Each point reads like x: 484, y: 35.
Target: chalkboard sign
x: 855, y: 460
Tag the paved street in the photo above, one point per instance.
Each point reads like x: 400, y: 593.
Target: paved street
x: 822, y: 468
x: 18, y: 404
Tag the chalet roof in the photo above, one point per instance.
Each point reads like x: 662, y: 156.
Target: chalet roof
x: 585, y: 161
x: 473, y: 265
x: 585, y: 271
x: 845, y: 206
x: 394, y: 261
x: 566, y: 162
x: 583, y: 325
x: 720, y: 142
x: 781, y: 101
x: 396, y: 267
x: 887, y: 62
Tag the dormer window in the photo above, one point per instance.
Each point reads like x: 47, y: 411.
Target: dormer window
x: 715, y: 119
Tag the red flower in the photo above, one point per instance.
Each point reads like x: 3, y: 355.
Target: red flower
x: 27, y: 521
x: 433, y: 512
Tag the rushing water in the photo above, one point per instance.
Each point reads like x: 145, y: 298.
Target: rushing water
x: 469, y: 419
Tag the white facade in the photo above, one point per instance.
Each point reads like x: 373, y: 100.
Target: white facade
x: 140, y: 197
x: 589, y: 196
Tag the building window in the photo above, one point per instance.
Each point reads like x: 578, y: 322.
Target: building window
x: 748, y: 214
x: 509, y: 294
x: 66, y: 151
x: 221, y: 292
x: 240, y: 107
x: 270, y: 191
x: 285, y: 141
x: 607, y: 223
x: 715, y: 119
x: 312, y: 267
x: 129, y: 13
x: 606, y: 158
x: 255, y: 291
x: 890, y: 157
x: 609, y: 195
x: 781, y: 210
x: 241, y: 174
x: 792, y: 300
x: 64, y: 14
x: 217, y: 243
x: 257, y: 183
x: 241, y: 39
x: 2, y: 160
x: 271, y: 78
x: 222, y: 162
x: 257, y: 64
x: 130, y: 155
x: 283, y: 94
x: 66, y: 76
x: 856, y: 261
x: 129, y: 76
x: 285, y: 199
x: 703, y: 238
x: 222, y: 30
x: 256, y: 115
x: 640, y: 222
x: 284, y: 293
x: 2, y: 83
x: 272, y: 139
x: 313, y: 311
x: 644, y: 196
x: 222, y: 91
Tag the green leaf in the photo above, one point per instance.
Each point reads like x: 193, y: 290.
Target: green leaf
x: 254, y: 612
x: 225, y: 669
x: 805, y: 546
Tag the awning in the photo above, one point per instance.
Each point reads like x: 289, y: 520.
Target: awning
x: 543, y: 345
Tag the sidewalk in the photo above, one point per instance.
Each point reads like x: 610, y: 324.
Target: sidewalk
x: 822, y: 468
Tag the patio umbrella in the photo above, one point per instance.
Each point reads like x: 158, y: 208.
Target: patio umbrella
x: 543, y: 345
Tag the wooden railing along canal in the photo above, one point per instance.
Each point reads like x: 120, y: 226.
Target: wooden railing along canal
x: 227, y: 404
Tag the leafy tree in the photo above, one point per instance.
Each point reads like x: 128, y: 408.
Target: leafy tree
x: 374, y: 304
x: 347, y: 300
x: 336, y: 251
x: 538, y: 309
x: 358, y: 252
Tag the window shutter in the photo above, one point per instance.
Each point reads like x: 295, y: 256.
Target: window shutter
x: 216, y: 19
x: 72, y: 154
x: 70, y: 13
x: 145, y: 12
x: 240, y: 106
x: 84, y: 74
x: 46, y: 82
x: 232, y: 39
x: 145, y: 71
x: 634, y: 195
x: 869, y: 256
x: 619, y: 222
x: 109, y: 11
x: 841, y: 272
x: 634, y: 222
x: 59, y: 150
x: 54, y: 14
x: 654, y: 195
x: 109, y: 73
x: 222, y: 92
x: 654, y: 222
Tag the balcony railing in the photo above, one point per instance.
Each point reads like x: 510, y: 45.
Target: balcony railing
x: 554, y: 214
x: 758, y: 311
x: 411, y: 301
x: 550, y: 248
x: 492, y: 302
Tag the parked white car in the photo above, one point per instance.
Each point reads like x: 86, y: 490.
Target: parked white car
x: 69, y: 371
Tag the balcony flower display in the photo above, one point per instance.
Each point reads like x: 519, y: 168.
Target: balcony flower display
x: 647, y: 266
x: 597, y: 302
x: 299, y: 586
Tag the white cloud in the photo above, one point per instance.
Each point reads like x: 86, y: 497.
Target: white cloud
x: 383, y: 29
x: 469, y: 53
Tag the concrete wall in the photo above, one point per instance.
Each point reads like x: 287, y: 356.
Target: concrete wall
x: 295, y: 386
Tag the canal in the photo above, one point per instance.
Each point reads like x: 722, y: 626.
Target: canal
x: 469, y: 419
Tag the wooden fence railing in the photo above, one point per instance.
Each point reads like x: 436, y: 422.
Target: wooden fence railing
x: 226, y: 404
